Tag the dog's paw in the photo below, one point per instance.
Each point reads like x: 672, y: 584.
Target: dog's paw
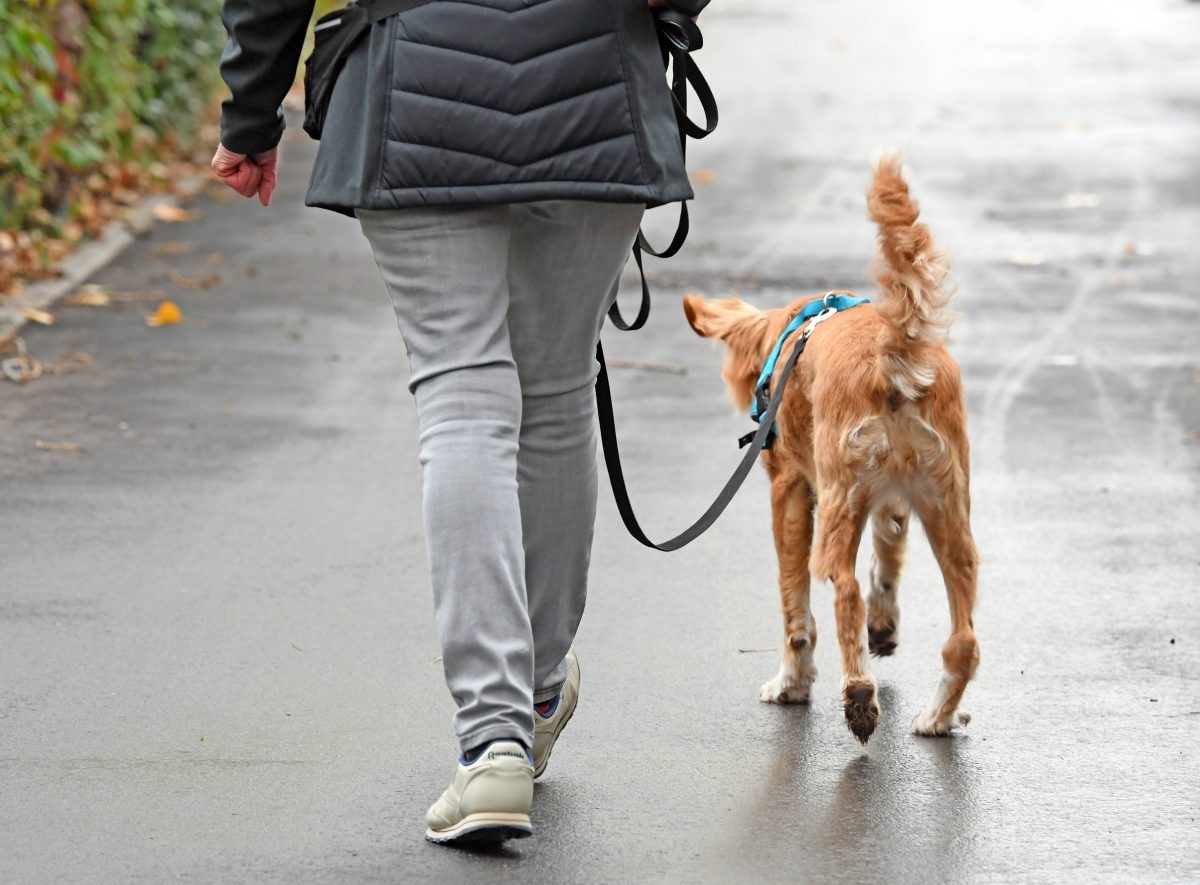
x: 788, y: 687
x: 929, y: 724
x: 882, y: 638
x: 861, y: 709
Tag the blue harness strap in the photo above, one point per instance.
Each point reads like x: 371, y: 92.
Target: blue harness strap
x: 832, y: 303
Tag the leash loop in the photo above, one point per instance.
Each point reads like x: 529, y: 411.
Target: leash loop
x: 678, y: 37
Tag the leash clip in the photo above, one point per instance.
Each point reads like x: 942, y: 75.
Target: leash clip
x: 820, y: 318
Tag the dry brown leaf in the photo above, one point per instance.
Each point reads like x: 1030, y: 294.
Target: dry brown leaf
x: 70, y: 363
x: 194, y: 283
x: 58, y: 446
x: 1133, y: 249
x: 703, y: 176
x: 174, y: 247
x: 172, y: 212
x: 21, y: 369
x: 35, y: 315
x: 90, y: 295
x: 168, y: 314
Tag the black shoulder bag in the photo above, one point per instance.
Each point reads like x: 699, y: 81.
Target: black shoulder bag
x: 334, y: 35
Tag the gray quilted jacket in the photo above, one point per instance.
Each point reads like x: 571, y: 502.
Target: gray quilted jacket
x: 461, y: 102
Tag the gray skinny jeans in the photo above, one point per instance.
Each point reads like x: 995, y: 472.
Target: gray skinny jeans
x: 500, y: 308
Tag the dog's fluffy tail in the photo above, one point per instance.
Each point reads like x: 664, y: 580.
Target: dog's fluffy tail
x: 911, y: 273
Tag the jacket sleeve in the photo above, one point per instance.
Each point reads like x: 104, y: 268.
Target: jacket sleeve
x: 266, y: 38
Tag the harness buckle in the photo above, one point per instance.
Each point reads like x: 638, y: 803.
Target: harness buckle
x: 819, y: 318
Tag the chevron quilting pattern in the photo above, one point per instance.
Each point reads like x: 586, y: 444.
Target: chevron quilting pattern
x: 505, y: 91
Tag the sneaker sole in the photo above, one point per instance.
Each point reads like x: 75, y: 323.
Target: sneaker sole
x: 484, y: 827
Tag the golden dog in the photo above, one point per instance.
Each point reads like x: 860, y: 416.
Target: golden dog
x: 872, y: 426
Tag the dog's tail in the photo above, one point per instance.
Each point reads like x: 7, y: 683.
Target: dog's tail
x: 911, y: 273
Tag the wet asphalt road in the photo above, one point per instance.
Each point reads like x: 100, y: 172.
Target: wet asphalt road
x: 217, y: 659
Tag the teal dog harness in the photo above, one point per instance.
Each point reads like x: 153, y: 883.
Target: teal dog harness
x: 813, y: 313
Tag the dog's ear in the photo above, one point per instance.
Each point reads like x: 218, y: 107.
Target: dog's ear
x: 743, y: 328
x: 694, y: 308
x: 719, y: 319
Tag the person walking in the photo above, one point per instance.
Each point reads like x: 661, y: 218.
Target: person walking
x: 498, y: 155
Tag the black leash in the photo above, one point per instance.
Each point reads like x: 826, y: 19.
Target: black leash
x: 678, y: 36
x: 756, y: 442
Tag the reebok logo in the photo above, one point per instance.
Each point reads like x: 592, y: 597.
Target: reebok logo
x: 499, y: 754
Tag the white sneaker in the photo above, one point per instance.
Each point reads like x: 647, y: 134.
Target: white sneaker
x: 546, y: 729
x: 488, y: 800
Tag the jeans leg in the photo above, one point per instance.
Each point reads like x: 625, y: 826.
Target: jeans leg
x: 445, y: 270
x: 565, y: 260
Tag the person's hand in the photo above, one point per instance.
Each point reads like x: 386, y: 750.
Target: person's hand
x: 248, y: 175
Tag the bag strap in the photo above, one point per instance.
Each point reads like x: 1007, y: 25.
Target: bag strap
x: 381, y: 9
x: 678, y: 36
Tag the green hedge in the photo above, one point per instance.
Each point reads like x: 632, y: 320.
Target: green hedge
x: 91, y: 86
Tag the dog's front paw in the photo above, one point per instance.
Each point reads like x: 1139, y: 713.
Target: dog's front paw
x: 861, y: 709
x: 929, y: 724
x: 788, y: 687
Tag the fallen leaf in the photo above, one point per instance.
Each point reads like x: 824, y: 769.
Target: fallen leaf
x: 194, y: 282
x: 172, y: 212
x: 58, y: 446
x: 168, y: 314
x: 38, y: 316
x: 1139, y: 249
x: 215, y: 258
x: 90, y: 295
x: 174, y: 247
x: 20, y: 369
x: 703, y: 176
x: 70, y: 363
x: 1026, y: 259
x: 1081, y: 201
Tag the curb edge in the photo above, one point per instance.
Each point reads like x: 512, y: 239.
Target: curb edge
x: 92, y: 256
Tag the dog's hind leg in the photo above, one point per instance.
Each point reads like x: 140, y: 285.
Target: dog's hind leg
x: 947, y: 524
x: 889, y: 533
x: 842, y: 516
x: 791, y: 517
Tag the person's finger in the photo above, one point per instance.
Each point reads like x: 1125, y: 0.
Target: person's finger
x: 245, y: 179
x: 269, y: 164
x: 225, y: 160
